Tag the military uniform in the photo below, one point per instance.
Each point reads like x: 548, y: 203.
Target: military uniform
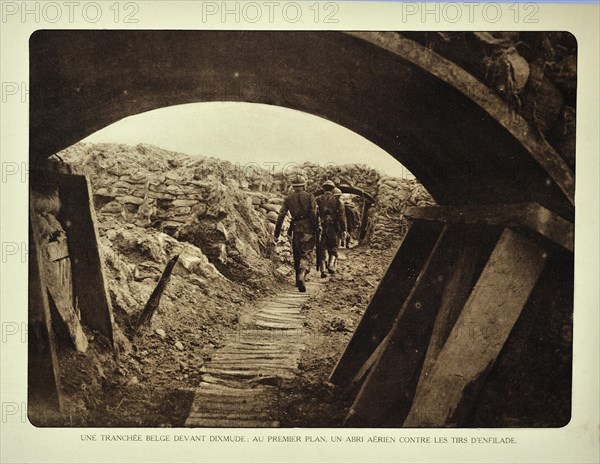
x: 333, y: 223
x: 302, y: 207
x: 352, y: 221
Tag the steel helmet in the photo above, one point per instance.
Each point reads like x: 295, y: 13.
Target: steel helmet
x: 328, y: 183
x: 337, y: 192
x: 298, y: 181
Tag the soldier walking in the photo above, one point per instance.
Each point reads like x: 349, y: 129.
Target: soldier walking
x: 333, y: 223
x: 352, y: 222
x: 302, y: 207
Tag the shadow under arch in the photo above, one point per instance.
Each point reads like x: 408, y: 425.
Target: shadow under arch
x: 462, y: 143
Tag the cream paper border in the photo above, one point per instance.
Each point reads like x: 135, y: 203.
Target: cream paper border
x: 578, y: 442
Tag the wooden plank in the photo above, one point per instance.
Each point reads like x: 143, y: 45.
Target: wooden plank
x: 217, y: 423
x: 387, y: 299
x: 68, y: 316
x: 213, y: 405
x: 479, y: 333
x: 257, y: 352
x: 255, y: 348
x: 389, y: 387
x: 225, y: 390
x: 89, y: 281
x: 459, y: 286
x: 521, y: 215
x: 280, y: 318
x: 233, y: 415
x: 56, y: 268
x: 247, y: 374
x: 43, y: 373
x: 154, y: 300
x: 274, y: 325
x: 250, y: 358
x: 366, y: 367
x: 250, y: 365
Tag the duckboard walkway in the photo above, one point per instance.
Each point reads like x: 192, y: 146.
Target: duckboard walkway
x: 239, y: 384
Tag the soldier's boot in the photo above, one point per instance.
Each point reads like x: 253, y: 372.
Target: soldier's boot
x: 300, y: 276
x: 322, y: 269
x: 331, y: 264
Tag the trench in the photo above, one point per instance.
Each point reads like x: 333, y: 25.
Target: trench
x: 238, y: 386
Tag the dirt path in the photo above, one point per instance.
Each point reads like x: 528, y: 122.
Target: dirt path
x: 239, y: 385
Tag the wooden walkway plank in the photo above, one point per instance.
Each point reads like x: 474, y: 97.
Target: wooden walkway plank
x: 221, y: 423
x: 270, y: 349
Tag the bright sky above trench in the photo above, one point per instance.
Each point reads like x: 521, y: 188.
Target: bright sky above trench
x: 249, y: 133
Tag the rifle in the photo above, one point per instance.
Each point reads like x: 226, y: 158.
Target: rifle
x: 319, y: 250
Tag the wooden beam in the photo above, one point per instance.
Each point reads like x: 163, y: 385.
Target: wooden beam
x: 89, y: 282
x: 452, y: 74
x: 390, y: 384
x: 444, y: 397
x: 364, y: 220
x: 530, y: 216
x: 43, y: 381
x: 154, y: 300
x: 459, y: 286
x: 387, y: 299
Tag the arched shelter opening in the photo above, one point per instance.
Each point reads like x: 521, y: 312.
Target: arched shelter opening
x: 483, y: 164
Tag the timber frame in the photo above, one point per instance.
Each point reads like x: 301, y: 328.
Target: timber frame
x: 89, y: 286
x: 445, y: 311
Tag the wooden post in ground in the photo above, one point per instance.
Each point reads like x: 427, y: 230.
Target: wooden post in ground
x: 89, y: 282
x: 154, y: 299
x: 43, y: 389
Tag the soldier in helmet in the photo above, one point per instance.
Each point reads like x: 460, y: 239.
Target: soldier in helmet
x: 333, y: 223
x: 352, y: 222
x: 302, y: 207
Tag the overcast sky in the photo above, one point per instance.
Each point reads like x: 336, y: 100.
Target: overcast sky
x: 247, y: 132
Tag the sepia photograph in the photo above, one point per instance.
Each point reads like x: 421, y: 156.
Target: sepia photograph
x: 311, y: 229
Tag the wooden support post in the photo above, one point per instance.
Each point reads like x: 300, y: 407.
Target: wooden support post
x: 43, y: 390
x: 79, y: 218
x: 389, y: 387
x: 387, y: 299
x: 459, y: 286
x: 154, y: 299
x: 445, y: 396
x: 364, y: 219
